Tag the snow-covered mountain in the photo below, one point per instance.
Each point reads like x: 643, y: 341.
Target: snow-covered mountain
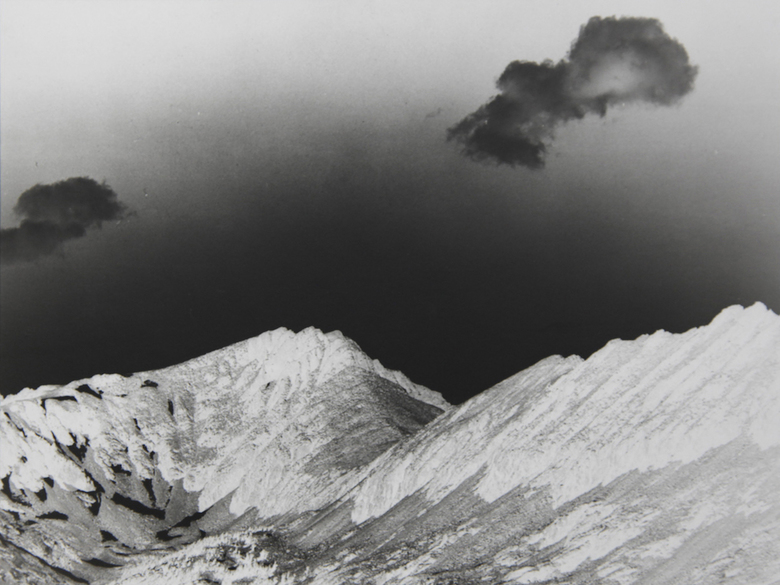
x: 294, y: 458
x: 100, y: 469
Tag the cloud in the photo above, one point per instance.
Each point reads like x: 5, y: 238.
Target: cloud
x: 53, y: 214
x: 614, y: 60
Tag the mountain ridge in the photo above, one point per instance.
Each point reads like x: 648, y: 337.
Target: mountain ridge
x: 655, y: 460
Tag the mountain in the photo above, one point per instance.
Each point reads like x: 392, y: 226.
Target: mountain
x: 100, y: 469
x: 296, y: 459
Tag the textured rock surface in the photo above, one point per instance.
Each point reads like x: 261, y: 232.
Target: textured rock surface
x: 654, y: 461
x: 101, y: 469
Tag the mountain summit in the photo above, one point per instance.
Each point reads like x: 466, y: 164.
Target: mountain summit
x: 100, y: 469
x: 294, y: 458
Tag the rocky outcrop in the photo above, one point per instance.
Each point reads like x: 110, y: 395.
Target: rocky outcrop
x: 655, y: 460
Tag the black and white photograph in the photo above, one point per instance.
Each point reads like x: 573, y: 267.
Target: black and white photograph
x: 362, y: 292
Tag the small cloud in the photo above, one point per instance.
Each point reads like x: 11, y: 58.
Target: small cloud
x: 53, y: 214
x: 613, y: 61
x: 434, y: 113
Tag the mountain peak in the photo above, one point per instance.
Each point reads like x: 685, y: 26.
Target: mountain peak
x: 307, y: 358
x: 279, y: 423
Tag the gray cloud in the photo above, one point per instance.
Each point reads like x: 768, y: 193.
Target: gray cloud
x: 614, y: 60
x: 53, y: 214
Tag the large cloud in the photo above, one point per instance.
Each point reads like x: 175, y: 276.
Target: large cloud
x: 53, y: 214
x: 614, y: 60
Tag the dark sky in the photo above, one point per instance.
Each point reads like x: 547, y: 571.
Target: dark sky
x: 287, y: 164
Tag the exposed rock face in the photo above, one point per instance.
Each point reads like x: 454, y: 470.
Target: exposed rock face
x: 103, y: 468
x: 654, y: 461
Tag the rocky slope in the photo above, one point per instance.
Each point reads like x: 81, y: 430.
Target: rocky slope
x: 655, y: 460
x: 102, y: 469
